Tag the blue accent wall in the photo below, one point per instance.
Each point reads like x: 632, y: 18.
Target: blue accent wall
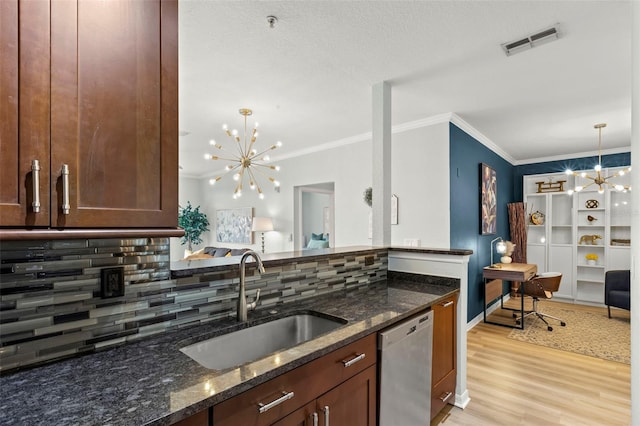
x: 465, y: 156
x: 584, y: 163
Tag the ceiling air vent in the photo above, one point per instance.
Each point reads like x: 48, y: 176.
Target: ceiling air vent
x: 532, y: 40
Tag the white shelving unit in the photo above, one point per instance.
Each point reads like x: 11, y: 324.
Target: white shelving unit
x: 555, y: 245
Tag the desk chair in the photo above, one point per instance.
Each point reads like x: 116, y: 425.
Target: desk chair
x: 541, y: 286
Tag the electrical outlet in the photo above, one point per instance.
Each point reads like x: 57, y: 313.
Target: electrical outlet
x: 368, y: 260
x: 111, y: 282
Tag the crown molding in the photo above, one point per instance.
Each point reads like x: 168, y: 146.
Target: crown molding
x: 572, y: 156
x: 477, y: 135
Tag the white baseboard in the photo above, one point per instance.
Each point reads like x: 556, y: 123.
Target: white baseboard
x: 480, y: 317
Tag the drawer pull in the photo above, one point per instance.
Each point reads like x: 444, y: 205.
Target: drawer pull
x: 326, y: 415
x: 315, y: 419
x: 353, y: 360
x: 445, y: 396
x: 66, y: 207
x: 35, y: 177
x: 449, y: 303
x: 266, y: 407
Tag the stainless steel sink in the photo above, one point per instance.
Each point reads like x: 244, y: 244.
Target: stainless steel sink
x: 252, y: 343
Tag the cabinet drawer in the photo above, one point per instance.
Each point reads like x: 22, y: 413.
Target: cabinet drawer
x: 443, y: 393
x: 297, y: 387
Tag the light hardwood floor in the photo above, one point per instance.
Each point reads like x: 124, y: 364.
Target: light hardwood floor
x: 518, y: 383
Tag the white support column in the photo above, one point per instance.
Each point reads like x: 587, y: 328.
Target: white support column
x: 635, y: 211
x: 381, y: 146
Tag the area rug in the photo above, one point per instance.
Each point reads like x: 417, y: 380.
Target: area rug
x: 586, y: 333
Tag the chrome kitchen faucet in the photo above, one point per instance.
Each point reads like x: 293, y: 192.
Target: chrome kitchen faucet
x: 242, y: 298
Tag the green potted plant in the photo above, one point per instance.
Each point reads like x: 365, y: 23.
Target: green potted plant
x: 368, y: 196
x: 194, y: 223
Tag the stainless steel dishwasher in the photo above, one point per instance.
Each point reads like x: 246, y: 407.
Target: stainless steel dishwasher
x: 405, y: 372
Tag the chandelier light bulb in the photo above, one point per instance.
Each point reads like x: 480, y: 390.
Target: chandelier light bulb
x: 276, y: 183
x: 578, y: 188
x: 279, y: 144
x: 600, y: 190
x: 583, y: 174
x: 266, y: 158
x: 225, y: 127
x: 277, y: 168
x: 568, y: 172
x: 261, y: 196
x: 207, y: 156
x: 570, y: 191
x: 229, y: 167
x: 619, y: 187
x: 597, y: 168
x: 253, y: 152
x: 621, y: 173
x: 236, y: 177
x: 234, y: 132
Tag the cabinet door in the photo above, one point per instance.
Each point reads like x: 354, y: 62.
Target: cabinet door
x: 444, y: 354
x: 114, y: 113
x: 24, y: 111
x: 352, y: 403
x: 301, y: 417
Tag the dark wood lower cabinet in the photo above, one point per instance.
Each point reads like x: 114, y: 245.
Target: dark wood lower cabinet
x: 443, y: 373
x: 344, y: 380
x: 198, y: 419
x: 352, y: 403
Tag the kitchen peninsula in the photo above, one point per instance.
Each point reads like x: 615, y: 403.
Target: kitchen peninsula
x: 151, y: 382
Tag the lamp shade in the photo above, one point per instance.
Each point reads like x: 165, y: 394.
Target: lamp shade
x: 262, y: 224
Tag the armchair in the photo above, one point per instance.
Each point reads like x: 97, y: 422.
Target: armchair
x: 617, y: 290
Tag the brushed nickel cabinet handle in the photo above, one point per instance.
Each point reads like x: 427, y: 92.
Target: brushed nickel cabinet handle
x: 315, y: 418
x: 266, y: 407
x: 35, y: 174
x: 445, y: 396
x: 353, y: 360
x: 66, y: 207
x: 449, y: 303
x: 326, y: 415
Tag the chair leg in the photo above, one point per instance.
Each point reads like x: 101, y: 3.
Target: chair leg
x: 609, y: 310
x: 540, y: 315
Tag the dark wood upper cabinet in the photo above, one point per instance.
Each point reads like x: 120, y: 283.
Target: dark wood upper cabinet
x: 111, y: 110
x: 24, y: 112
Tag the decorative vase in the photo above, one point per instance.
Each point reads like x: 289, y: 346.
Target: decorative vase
x: 591, y: 262
x: 505, y: 259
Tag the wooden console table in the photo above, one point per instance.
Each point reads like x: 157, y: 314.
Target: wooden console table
x: 493, y: 288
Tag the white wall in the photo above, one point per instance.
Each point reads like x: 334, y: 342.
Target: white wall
x: 420, y: 179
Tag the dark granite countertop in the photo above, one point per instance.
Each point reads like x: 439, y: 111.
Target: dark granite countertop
x: 185, y: 268
x: 152, y: 382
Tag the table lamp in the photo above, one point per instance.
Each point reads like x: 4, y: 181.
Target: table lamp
x: 262, y: 225
x: 501, y: 247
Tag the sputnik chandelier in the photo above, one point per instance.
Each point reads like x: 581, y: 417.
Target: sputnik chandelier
x: 599, y: 179
x: 247, y: 162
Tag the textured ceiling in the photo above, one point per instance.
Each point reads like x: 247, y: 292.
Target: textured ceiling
x: 308, y: 80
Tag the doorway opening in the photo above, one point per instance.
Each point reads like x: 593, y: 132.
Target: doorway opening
x: 313, y: 213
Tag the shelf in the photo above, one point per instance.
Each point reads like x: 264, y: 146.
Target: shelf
x: 599, y: 209
x: 561, y: 245
x: 590, y: 281
x: 561, y: 226
x: 582, y: 265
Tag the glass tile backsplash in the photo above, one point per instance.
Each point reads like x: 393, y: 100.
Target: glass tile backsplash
x: 50, y: 304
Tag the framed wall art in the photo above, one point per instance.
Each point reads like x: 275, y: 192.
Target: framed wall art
x: 234, y: 225
x: 488, y: 200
